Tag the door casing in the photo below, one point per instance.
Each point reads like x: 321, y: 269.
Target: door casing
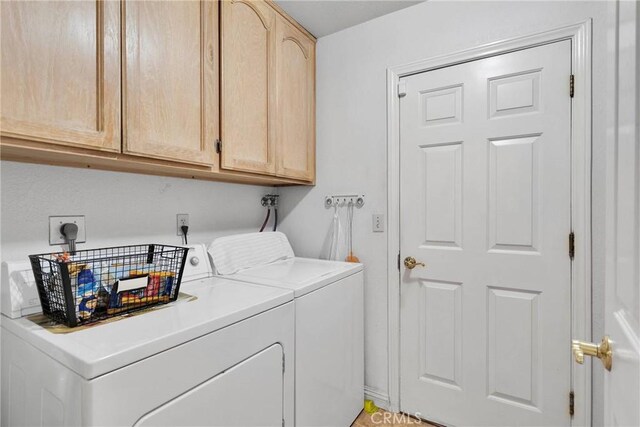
x: 580, y: 36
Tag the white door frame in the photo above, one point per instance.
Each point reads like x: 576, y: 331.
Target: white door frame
x: 580, y: 36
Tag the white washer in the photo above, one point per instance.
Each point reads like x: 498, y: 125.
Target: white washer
x: 329, y: 384
x: 225, y: 359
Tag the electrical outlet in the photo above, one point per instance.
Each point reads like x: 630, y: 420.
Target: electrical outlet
x: 182, y: 219
x: 55, y: 224
x: 378, y: 222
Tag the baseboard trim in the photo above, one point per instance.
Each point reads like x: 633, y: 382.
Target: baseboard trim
x: 380, y: 398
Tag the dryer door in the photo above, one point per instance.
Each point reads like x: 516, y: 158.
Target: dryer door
x: 248, y: 394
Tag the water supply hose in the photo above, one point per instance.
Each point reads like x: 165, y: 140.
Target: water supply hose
x: 264, y: 224
x: 275, y: 219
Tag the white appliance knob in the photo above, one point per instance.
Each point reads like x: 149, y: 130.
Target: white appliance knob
x: 194, y: 260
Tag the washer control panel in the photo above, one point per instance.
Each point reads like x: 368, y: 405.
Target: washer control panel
x: 198, y: 265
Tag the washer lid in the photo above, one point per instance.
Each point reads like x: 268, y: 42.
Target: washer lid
x: 104, y: 348
x: 302, y: 275
x: 232, y: 254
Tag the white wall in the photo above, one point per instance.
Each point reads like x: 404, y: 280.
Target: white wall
x: 120, y: 208
x: 351, y: 131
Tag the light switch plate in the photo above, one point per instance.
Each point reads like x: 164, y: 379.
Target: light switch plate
x: 378, y: 223
x: 55, y: 223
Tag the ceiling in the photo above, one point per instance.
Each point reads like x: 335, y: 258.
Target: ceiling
x: 324, y: 17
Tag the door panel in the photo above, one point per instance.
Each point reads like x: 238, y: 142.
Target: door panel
x: 514, y: 202
x: 247, y: 86
x: 295, y: 129
x: 512, y: 337
x: 485, y: 204
x: 441, y: 322
x: 57, y: 86
x: 622, y: 287
x: 442, y: 217
x: 167, y: 43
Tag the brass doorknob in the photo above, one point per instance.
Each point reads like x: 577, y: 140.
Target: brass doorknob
x: 602, y: 351
x: 411, y: 263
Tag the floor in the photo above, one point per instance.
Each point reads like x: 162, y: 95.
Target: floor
x: 384, y: 418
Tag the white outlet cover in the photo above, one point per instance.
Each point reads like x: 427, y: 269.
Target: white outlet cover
x: 179, y: 219
x: 55, y: 223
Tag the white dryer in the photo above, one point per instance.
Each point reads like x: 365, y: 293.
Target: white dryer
x: 329, y: 321
x: 222, y: 359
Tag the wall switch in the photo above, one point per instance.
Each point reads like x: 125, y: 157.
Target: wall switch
x: 55, y: 224
x: 183, y: 219
x: 378, y: 222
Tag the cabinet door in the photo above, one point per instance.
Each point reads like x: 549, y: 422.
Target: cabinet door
x: 295, y: 117
x: 170, y: 84
x: 247, y: 81
x: 61, y: 72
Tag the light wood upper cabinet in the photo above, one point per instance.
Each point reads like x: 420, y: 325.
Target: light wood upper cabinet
x: 248, y: 101
x: 61, y: 72
x: 170, y: 82
x: 268, y: 92
x: 295, y: 94
x: 150, y: 86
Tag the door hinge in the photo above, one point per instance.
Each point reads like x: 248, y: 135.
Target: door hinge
x: 402, y: 88
x: 218, y: 146
x: 572, y: 81
x: 572, y: 245
x: 571, y: 403
x: 398, y: 261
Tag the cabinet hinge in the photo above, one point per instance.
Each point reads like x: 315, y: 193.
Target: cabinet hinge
x: 218, y: 146
x: 571, y: 403
x: 572, y: 245
x: 572, y: 80
x: 398, y: 261
x: 283, y: 364
x: 402, y: 88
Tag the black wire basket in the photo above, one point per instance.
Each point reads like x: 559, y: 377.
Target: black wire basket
x: 95, y: 284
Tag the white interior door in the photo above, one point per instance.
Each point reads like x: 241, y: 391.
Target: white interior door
x: 622, y: 294
x: 485, y: 194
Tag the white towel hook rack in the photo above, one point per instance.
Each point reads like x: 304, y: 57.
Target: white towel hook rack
x: 343, y: 200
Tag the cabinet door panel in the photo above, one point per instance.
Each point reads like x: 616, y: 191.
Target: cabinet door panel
x: 295, y: 75
x: 171, y: 80
x: 61, y: 72
x: 247, y: 81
